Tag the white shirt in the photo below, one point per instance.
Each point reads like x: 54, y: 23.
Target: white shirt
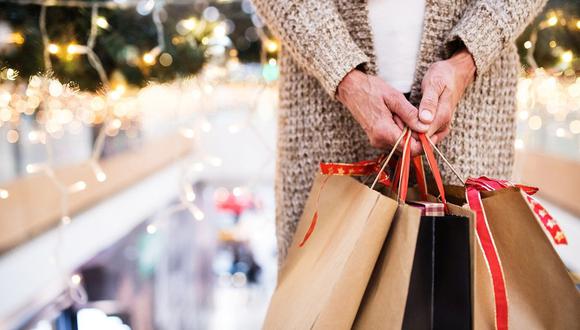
x: 397, y: 26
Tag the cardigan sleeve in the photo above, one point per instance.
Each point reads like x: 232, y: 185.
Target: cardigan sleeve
x: 316, y: 37
x: 488, y: 26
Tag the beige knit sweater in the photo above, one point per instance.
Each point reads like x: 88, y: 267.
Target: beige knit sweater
x: 323, y: 40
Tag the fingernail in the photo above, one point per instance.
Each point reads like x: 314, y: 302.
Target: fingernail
x: 426, y: 115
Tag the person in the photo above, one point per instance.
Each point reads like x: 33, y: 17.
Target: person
x: 345, y: 68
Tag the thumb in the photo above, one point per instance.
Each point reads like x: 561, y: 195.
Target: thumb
x: 404, y: 110
x: 429, y: 102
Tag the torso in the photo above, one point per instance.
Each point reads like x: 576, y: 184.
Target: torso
x: 396, y: 27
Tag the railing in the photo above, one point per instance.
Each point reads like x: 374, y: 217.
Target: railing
x: 34, y: 205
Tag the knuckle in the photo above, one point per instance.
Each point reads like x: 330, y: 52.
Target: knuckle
x: 394, y: 100
x: 428, y: 101
x: 437, y: 81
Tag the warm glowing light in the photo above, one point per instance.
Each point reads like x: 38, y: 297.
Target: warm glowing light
x: 17, y: 38
x: 115, y: 123
x: 36, y: 137
x: 166, y: 59
x: 187, y: 133
x: 77, y: 186
x: 553, y: 44
x: 102, y: 22
x: 75, y: 49
x: 578, y: 24
x: 535, y: 122
x: 55, y: 88
x: 238, y: 191
x: 65, y: 220
x: 5, y: 114
x: 189, y: 193
x: 528, y: 44
x: 196, y: 212
x: 567, y: 56
x: 553, y: 20
x: 149, y: 58
x: 12, y: 136
x: 523, y: 115
x: 101, y: 176
x: 5, y: 98
x: 519, y: 144
x: 219, y: 30
x: 560, y: 132
x: 117, y: 92
x: 33, y: 168
x: 271, y: 46
x: 4, y: 194
x: 53, y: 48
x: 76, y: 279
x: 11, y: 74
x: 189, y: 23
x: 151, y: 229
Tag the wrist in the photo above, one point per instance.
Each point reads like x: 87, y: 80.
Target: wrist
x: 463, y: 62
x: 351, y: 80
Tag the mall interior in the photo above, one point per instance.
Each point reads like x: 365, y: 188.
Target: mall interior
x: 138, y: 157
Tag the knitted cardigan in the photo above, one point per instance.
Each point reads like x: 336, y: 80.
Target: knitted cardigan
x: 322, y: 40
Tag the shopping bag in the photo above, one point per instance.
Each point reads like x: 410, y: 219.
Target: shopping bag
x: 439, y: 295
x: 422, y: 279
x: 521, y: 282
x: 321, y: 283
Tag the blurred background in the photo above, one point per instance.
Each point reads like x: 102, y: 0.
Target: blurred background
x: 137, y: 155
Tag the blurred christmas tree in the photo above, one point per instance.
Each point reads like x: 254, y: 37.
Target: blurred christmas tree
x: 552, y: 40
x: 128, y: 39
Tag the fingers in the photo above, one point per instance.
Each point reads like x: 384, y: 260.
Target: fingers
x: 399, y: 105
x: 384, y: 133
x: 399, y: 122
x: 432, y: 90
x: 416, y: 147
x: 443, y: 113
x: 440, y: 135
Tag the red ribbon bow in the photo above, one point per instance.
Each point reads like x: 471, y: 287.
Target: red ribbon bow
x: 365, y: 167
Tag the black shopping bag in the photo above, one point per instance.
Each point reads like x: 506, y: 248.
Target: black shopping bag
x: 439, y: 295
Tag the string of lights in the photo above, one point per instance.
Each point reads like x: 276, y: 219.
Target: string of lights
x: 109, y: 4
x: 553, y: 19
x: 55, y: 89
x: 549, y: 97
x: 112, y: 108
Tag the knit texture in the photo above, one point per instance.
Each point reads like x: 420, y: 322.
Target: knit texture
x: 322, y: 40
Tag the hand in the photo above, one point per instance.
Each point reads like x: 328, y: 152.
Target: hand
x: 375, y: 106
x: 443, y: 86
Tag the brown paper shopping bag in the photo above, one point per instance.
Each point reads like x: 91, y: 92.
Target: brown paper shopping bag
x: 414, y: 284
x: 383, y: 306
x: 539, y: 292
x: 321, y: 284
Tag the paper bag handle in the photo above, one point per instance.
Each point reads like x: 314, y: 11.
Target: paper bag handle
x: 403, y: 181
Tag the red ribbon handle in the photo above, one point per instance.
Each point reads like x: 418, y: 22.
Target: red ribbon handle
x: 434, y: 167
x: 431, y: 161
